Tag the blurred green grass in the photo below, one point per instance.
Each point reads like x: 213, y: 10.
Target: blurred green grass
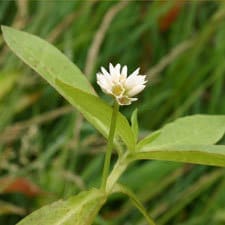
x: 178, y: 44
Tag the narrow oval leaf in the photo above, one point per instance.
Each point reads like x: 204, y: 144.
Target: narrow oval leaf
x: 134, y: 123
x: 78, y: 210
x: 52, y: 65
x: 213, y: 155
x: 190, y: 130
x: 45, y: 59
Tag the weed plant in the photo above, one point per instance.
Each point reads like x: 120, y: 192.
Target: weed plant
x: 48, y: 151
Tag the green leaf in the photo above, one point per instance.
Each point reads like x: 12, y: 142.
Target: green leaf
x: 45, y: 59
x: 97, y: 112
x: 123, y: 189
x: 190, y: 130
x: 200, y: 154
x: 147, y: 140
x: 134, y: 124
x: 78, y: 210
x: 52, y: 65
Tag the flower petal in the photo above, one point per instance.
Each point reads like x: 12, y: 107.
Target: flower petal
x: 124, y: 71
x: 105, y: 78
x: 117, y: 68
x: 104, y: 71
x: 135, y: 73
x: 115, y: 73
x: 134, y: 81
x: 104, y: 87
x: 111, y: 68
x: 104, y: 83
x: 135, y: 90
x: 131, y: 82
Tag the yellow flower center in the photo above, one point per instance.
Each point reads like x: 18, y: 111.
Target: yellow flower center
x: 117, y: 90
x: 124, y: 100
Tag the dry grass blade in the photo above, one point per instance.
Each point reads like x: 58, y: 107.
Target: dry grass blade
x: 13, y: 132
x: 100, y: 34
x: 168, y: 59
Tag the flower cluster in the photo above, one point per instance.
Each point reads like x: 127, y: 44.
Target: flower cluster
x: 117, y: 83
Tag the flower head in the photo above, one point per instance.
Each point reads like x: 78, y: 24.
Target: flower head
x: 117, y: 83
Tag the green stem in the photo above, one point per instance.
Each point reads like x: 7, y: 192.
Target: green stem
x: 115, y: 174
x: 109, y: 145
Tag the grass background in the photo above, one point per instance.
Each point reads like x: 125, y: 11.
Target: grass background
x: 47, y: 151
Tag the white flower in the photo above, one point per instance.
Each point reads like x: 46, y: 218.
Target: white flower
x: 117, y: 83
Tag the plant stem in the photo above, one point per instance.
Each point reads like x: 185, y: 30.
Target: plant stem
x: 116, y: 172
x: 109, y: 145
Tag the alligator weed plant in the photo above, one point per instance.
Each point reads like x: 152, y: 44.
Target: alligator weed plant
x: 191, y: 139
